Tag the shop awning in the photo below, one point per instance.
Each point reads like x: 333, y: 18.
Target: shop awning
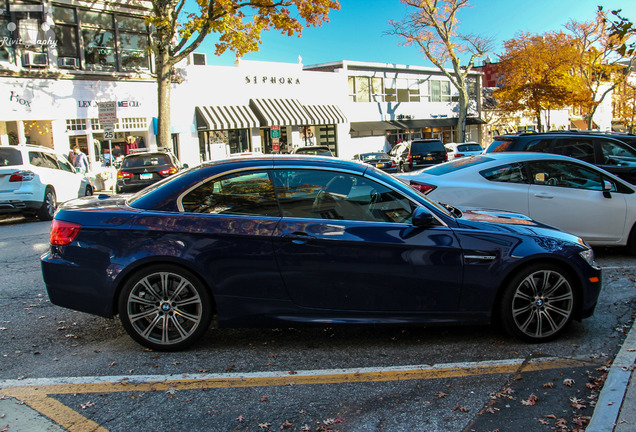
x: 222, y: 117
x: 416, y: 124
x: 581, y: 124
x: 283, y: 112
x: 325, y: 114
x: 372, y: 125
x: 475, y: 121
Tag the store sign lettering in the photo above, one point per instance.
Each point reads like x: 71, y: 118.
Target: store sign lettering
x: 271, y: 80
x: 19, y: 100
x: 120, y: 104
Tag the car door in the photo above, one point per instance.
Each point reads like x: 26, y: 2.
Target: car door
x: 346, y: 242
x: 617, y: 158
x: 569, y: 196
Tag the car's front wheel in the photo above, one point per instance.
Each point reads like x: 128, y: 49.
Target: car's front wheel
x: 49, y: 205
x: 538, y: 303
x: 165, y: 307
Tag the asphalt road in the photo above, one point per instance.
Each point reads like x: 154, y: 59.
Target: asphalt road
x: 86, y: 374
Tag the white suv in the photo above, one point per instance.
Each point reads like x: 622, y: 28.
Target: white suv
x: 460, y: 150
x: 33, y: 179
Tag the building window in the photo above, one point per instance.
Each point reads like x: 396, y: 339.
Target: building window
x: 125, y: 123
x: 366, y: 89
x: 402, y: 90
x: 7, y: 50
x: 75, y: 124
x: 440, y: 91
x: 98, y: 39
x: 133, y: 42
x: 66, y: 32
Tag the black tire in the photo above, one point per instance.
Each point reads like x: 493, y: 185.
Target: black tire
x: 631, y: 241
x: 539, y: 303
x: 165, y: 307
x: 49, y: 205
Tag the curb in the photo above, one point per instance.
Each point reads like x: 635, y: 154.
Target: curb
x: 612, y: 398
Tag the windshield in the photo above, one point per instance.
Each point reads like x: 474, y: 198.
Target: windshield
x: 371, y: 156
x: 10, y: 157
x: 145, y: 161
x: 469, y: 147
x: 456, y: 164
x: 426, y: 146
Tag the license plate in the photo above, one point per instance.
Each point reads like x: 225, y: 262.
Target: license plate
x: 381, y: 165
x: 145, y: 176
x: 429, y: 157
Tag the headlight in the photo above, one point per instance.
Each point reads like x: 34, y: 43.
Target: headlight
x: 588, y: 255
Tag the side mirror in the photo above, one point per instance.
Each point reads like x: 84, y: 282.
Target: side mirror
x: 607, y: 188
x: 422, y: 218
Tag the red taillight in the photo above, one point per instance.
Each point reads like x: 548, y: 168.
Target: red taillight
x: 168, y: 171
x: 124, y: 175
x: 422, y: 187
x: 20, y: 176
x: 410, y: 158
x: 458, y: 155
x: 63, y: 233
x: 393, y: 164
x: 446, y: 155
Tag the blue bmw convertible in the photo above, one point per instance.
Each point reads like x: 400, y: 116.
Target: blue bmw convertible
x: 292, y: 240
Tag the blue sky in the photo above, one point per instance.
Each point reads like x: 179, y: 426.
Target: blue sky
x: 357, y: 30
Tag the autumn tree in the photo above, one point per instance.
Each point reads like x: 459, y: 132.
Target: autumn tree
x: 625, y: 106
x: 538, y: 74
x: 432, y: 26
x: 625, y: 32
x: 238, y: 24
x: 599, y: 63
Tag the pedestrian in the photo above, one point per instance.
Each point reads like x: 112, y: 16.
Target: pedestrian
x: 81, y: 161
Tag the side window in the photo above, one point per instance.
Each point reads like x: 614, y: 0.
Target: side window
x: 50, y: 161
x: 579, y: 148
x: 539, y: 145
x: 615, y: 154
x: 246, y: 193
x: 64, y: 164
x: 509, y: 173
x: 565, y: 174
x: 331, y: 195
x: 42, y: 160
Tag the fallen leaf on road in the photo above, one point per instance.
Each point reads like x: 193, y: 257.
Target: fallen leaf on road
x: 568, y: 382
x: 532, y: 400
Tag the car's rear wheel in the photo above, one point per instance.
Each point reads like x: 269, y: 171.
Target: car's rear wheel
x: 538, y: 303
x: 631, y: 242
x: 49, y: 204
x: 165, y: 307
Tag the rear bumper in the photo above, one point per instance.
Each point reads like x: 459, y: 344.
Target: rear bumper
x: 19, y: 206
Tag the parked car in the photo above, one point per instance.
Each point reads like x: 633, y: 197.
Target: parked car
x: 556, y: 190
x: 604, y: 151
x: 416, y: 154
x: 287, y: 241
x: 139, y: 170
x: 33, y: 179
x: 379, y: 160
x: 460, y: 150
x: 313, y: 150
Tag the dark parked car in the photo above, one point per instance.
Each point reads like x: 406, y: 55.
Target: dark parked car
x: 139, y: 170
x: 379, y: 160
x: 420, y: 153
x: 604, y: 151
x: 286, y: 241
x: 313, y: 151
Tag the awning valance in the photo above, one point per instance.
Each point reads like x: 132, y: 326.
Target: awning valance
x: 475, y: 121
x: 283, y: 112
x: 422, y: 123
x: 222, y: 117
x: 325, y: 114
x: 372, y: 125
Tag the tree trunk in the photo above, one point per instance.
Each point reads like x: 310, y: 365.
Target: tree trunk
x: 164, y: 137
x: 463, y: 111
x: 539, y: 127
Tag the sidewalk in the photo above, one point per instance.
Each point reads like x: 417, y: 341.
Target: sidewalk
x: 616, y: 406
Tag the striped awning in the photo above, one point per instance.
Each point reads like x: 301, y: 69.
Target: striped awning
x: 283, y: 112
x: 325, y: 114
x: 221, y: 117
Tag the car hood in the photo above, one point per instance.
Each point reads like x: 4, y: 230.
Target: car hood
x: 510, y: 222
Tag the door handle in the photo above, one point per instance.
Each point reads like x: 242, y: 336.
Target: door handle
x: 544, y: 195
x: 298, y: 237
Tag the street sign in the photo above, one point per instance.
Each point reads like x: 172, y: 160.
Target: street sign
x: 109, y: 131
x: 275, y: 144
x: 107, y: 113
x: 274, y: 131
